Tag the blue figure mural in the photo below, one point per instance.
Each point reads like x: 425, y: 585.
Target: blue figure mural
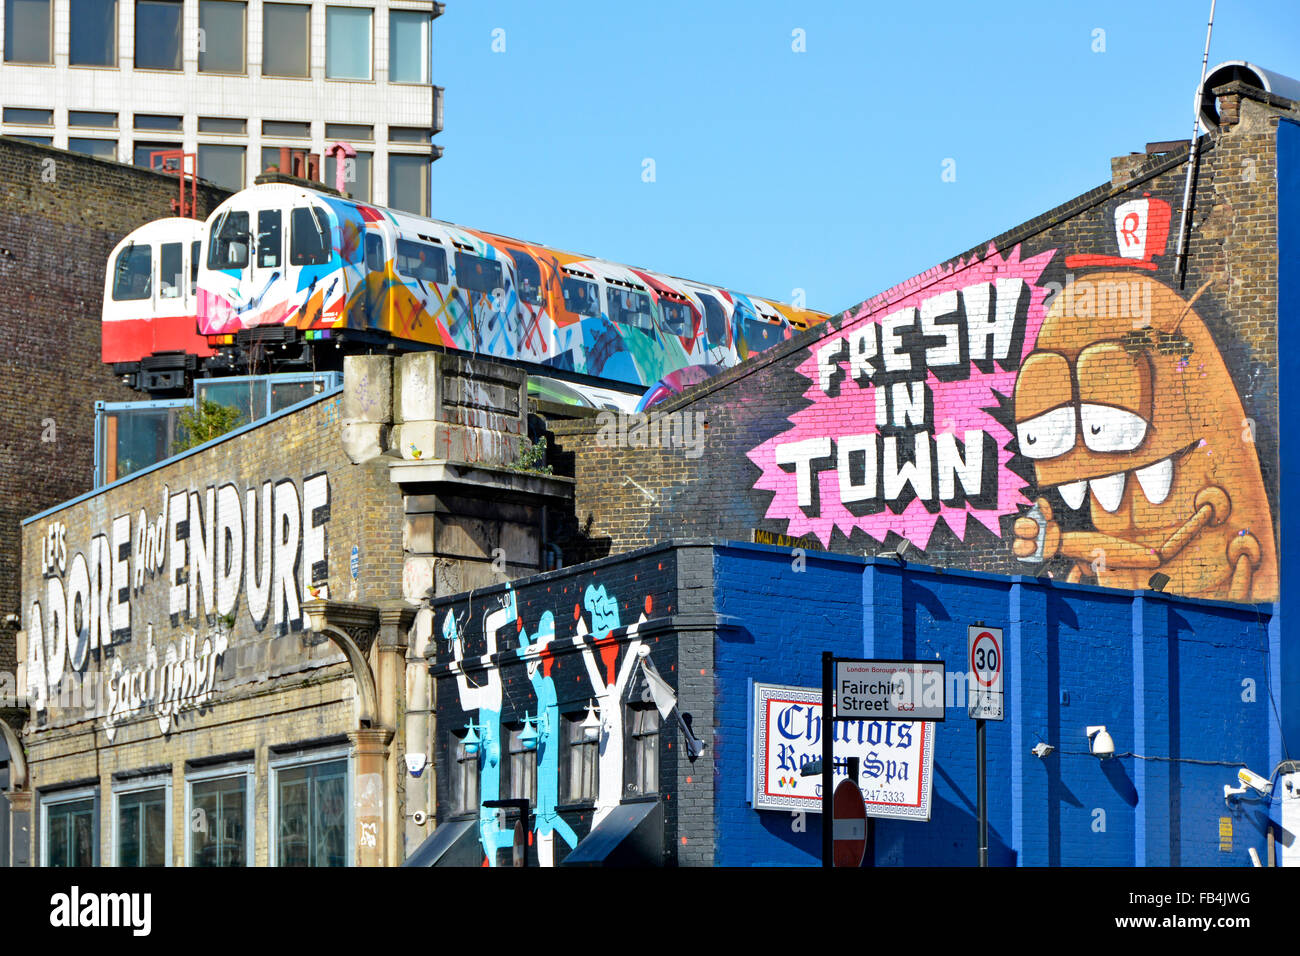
x: 540, y: 660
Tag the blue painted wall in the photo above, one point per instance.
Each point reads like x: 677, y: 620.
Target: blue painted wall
x: 1181, y: 685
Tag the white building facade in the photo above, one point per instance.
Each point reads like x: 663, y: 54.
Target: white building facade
x: 233, y: 81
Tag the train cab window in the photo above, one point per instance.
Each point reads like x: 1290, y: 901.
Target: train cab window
x: 310, y: 243
x: 715, y: 320
x: 171, y: 270
x: 422, y: 261
x: 132, y: 272
x: 677, y: 316
x: 631, y: 308
x: 269, y: 244
x: 228, y: 243
x: 528, y: 276
x: 194, y: 266
x: 375, y: 252
x: 581, y: 296
x: 477, y: 274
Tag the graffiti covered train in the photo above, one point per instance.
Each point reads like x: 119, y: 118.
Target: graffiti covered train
x: 287, y: 275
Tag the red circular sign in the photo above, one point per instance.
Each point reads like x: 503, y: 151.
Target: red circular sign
x: 849, y: 820
x: 992, y: 651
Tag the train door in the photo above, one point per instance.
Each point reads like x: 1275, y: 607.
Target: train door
x: 376, y: 258
x: 268, y: 261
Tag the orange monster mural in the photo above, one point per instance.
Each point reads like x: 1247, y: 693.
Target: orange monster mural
x: 1127, y: 404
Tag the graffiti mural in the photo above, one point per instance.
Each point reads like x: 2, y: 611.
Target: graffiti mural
x: 1070, y: 408
x: 557, y: 661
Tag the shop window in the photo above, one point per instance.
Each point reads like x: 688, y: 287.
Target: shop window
x: 286, y: 42
x: 348, y: 43
x: 641, y: 767
x: 408, y: 46
x: 358, y: 174
x: 219, y: 826
x: 142, y: 828
x: 98, y: 148
x: 408, y: 183
x: 70, y: 828
x: 464, y: 777
x: 310, y: 241
x: 310, y: 813
x: 132, y: 272
x: 27, y: 31
x: 93, y: 39
x: 583, y: 775
x: 158, y: 35
x: 223, y: 165
x: 522, y: 766
x: 221, y: 25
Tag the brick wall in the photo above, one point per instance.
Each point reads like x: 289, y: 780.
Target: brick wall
x: 60, y: 216
x: 785, y: 452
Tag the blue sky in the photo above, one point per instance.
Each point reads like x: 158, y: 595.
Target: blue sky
x: 819, y: 170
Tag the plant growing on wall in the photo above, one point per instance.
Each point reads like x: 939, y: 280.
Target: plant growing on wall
x: 532, y: 457
x: 208, y: 420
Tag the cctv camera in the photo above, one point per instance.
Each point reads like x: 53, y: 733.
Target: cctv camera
x: 1254, y: 780
x: 420, y: 818
x: 1099, y: 740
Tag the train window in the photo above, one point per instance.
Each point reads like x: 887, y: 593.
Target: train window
x: 310, y: 245
x: 581, y: 296
x: 228, y: 242
x: 132, y: 272
x: 269, y: 242
x: 375, y: 253
x: 477, y: 274
x: 715, y: 320
x: 677, y: 317
x: 194, y: 267
x: 171, y: 270
x: 627, y: 307
x: 529, y: 277
x: 422, y: 261
x: 758, y: 334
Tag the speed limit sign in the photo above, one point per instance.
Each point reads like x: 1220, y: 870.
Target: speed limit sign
x: 986, y: 668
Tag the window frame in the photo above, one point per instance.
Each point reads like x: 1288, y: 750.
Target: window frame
x: 574, y: 741
x: 245, y: 770
x: 321, y: 220
x: 75, y: 795
x: 243, y: 70
x: 306, y: 41
x: 4, y: 45
x: 427, y: 43
x: 633, y: 754
x: 217, y: 234
x: 514, y: 732
x: 278, y: 763
x: 117, y: 265
x: 399, y: 158
x: 115, y: 59
x: 462, y: 255
x: 135, y: 38
x: 464, y: 767
x: 153, y: 782
x: 370, y: 78
x: 405, y: 247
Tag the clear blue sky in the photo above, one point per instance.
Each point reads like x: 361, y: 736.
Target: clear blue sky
x: 820, y: 170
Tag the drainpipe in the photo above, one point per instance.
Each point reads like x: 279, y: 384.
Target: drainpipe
x: 419, y: 723
x: 1192, y: 155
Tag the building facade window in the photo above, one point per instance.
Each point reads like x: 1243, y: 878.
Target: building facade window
x: 219, y: 827
x: 222, y: 29
x: 142, y: 823
x: 408, y: 46
x: 142, y: 150
x: 92, y: 41
x: 358, y: 174
x: 70, y: 828
x: 310, y: 813
x: 92, y: 120
x: 27, y: 31
x: 223, y: 165
x: 158, y: 34
x: 348, y: 42
x: 409, y: 134
x: 641, y: 768
x: 286, y: 40
x: 221, y: 124
x: 158, y: 121
x: 583, y: 777
x: 99, y: 148
x: 38, y: 140
x: 464, y: 777
x: 21, y: 116
x: 522, y: 770
x: 349, y: 132
x: 286, y: 129
x: 408, y: 183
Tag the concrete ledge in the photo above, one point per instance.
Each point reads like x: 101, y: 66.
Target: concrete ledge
x: 504, y: 481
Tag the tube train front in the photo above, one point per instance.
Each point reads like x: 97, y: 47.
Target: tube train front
x: 287, y: 271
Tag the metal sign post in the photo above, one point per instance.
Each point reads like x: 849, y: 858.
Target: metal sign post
x: 828, y: 770
x: 984, y: 658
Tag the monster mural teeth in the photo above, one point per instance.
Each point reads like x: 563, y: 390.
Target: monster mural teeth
x: 1136, y: 403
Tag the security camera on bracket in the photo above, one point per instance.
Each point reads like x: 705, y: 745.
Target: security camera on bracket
x: 1247, y: 781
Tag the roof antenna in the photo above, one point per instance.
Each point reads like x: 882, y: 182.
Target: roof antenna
x: 1192, y: 155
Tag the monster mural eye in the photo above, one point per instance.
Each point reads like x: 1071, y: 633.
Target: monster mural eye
x: 1110, y: 429
x: 1049, y: 434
